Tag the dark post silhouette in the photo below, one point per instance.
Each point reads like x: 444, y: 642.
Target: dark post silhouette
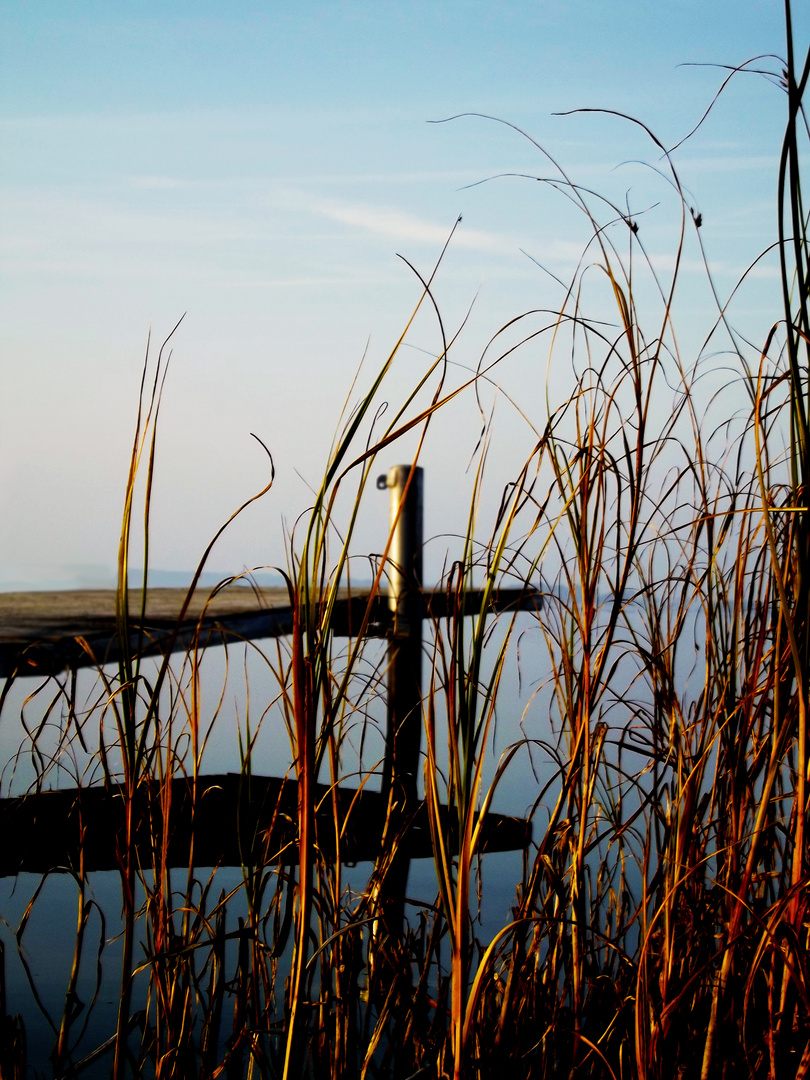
x: 404, y: 725
x: 404, y: 733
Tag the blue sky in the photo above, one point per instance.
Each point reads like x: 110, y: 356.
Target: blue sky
x: 259, y: 167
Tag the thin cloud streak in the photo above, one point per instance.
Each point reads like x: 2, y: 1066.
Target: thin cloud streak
x: 404, y: 227
x: 400, y: 225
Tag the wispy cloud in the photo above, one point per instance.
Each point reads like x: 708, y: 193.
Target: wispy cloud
x: 400, y: 225
x: 410, y: 229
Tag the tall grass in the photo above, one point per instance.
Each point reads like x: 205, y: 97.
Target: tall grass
x: 660, y: 922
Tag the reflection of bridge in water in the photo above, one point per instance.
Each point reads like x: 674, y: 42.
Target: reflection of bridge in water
x: 230, y: 820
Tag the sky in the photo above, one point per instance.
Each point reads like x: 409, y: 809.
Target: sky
x: 276, y: 174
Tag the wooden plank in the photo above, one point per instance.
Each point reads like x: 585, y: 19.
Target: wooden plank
x: 233, y: 821
x: 39, y: 631
x: 84, y: 611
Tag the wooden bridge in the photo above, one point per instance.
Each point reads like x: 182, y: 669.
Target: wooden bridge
x: 233, y: 818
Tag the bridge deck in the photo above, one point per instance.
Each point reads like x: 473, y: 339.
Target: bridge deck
x: 46, y: 632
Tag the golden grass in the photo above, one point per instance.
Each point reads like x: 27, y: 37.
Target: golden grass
x: 660, y: 924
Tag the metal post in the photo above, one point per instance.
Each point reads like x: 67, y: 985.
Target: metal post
x: 404, y: 726
x: 404, y: 733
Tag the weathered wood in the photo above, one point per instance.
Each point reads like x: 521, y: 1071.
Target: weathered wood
x: 231, y: 821
x: 40, y: 631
